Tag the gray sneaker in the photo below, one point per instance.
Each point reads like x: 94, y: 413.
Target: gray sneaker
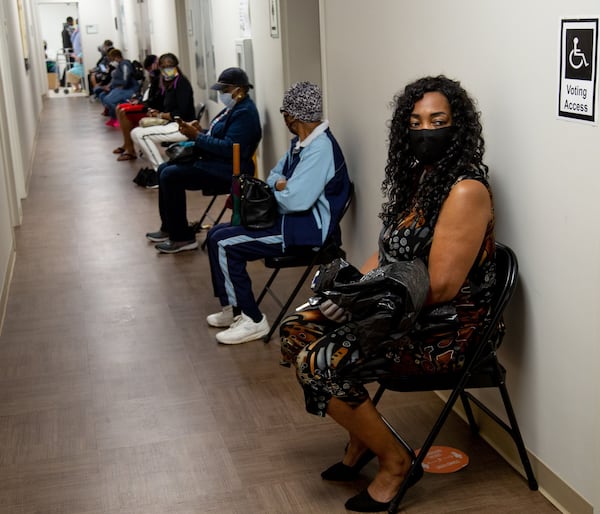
x: 176, y: 246
x: 221, y: 319
x: 157, y: 237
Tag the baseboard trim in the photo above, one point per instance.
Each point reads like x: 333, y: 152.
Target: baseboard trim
x: 6, y: 284
x: 551, y: 486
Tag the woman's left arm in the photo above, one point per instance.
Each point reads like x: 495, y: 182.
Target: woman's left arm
x: 457, y: 238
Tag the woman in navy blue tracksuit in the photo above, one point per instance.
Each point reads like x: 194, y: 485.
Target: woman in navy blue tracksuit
x: 311, y: 187
x: 237, y: 123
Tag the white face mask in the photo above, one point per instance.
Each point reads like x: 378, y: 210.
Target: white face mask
x: 227, y: 99
x: 114, y: 64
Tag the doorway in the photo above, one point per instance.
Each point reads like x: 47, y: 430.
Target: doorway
x: 59, y: 60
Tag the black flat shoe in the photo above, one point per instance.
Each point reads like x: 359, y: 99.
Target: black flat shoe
x: 340, y: 472
x: 363, y: 502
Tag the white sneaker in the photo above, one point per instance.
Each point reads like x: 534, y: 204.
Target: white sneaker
x: 221, y: 319
x: 243, y: 329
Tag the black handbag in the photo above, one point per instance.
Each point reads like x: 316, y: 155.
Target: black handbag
x: 386, y: 300
x: 146, y: 177
x: 258, y: 207
x: 182, y: 152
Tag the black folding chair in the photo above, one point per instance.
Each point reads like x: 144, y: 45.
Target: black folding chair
x: 481, y: 370
x: 206, y: 215
x: 300, y: 257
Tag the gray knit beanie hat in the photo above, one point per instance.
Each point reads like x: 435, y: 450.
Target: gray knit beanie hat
x: 304, y: 102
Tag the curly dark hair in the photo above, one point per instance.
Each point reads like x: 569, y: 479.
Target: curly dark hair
x: 403, y: 171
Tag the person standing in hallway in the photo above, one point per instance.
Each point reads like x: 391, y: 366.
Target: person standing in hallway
x: 67, y: 48
x: 76, y: 40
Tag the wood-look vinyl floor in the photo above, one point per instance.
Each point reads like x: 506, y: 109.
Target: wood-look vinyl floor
x: 115, y: 397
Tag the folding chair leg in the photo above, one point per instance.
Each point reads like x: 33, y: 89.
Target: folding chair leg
x: 287, y: 304
x: 469, y: 412
x: 217, y: 220
x: 516, y: 435
x: 378, y: 395
x: 267, y: 286
x: 512, y: 428
x: 198, y: 224
x: 513, y: 431
x: 395, y: 503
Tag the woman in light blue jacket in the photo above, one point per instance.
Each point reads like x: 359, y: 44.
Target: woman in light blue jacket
x: 311, y: 186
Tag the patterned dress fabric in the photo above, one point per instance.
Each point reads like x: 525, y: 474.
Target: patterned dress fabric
x: 328, y: 357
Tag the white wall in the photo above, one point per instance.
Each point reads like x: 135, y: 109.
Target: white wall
x: 544, y: 173
x: 269, y: 86
x: 8, y: 194
x: 163, y: 28
x: 17, y: 134
x: 301, y: 40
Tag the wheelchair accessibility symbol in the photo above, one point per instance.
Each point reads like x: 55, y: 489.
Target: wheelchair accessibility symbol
x: 576, y: 56
x: 578, y: 53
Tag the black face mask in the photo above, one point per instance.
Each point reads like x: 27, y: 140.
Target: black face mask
x: 430, y: 145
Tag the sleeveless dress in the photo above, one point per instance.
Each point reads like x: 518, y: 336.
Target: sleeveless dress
x: 327, y: 355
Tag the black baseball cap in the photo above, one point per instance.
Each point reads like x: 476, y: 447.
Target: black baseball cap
x: 232, y: 77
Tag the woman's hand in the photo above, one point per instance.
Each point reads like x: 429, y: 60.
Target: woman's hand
x: 334, y: 312
x: 280, y: 184
x: 189, y: 130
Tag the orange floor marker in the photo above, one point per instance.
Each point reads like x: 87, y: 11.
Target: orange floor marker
x: 443, y: 459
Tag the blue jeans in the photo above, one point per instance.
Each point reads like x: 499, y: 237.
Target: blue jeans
x: 115, y: 97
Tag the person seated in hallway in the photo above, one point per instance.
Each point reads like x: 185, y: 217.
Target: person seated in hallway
x: 311, y: 187
x: 439, y: 209
x: 238, y: 122
x: 178, y: 101
x: 122, y: 85
x: 99, y: 75
x: 75, y: 74
x: 130, y: 113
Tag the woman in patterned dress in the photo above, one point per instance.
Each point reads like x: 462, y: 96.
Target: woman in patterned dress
x: 439, y: 209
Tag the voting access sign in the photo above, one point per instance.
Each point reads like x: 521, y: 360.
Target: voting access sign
x: 578, y: 62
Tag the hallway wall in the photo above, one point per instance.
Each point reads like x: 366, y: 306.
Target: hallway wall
x: 544, y: 175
